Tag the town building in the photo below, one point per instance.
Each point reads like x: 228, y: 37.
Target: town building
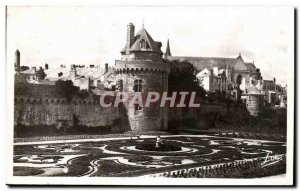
x: 275, y: 94
x: 143, y: 67
x: 229, y: 76
x: 86, y: 78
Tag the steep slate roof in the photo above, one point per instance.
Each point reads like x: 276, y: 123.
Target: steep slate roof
x: 268, y: 85
x: 168, y: 51
x: 29, y: 71
x: 93, y: 73
x: 151, y: 44
x: 206, y: 62
x: 251, y: 66
x: 241, y: 66
x: 76, y: 77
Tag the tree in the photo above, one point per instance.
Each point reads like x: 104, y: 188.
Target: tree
x: 66, y: 89
x: 183, y: 78
x: 40, y: 74
x: 23, y: 68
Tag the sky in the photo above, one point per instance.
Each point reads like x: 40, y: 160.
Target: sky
x: 96, y: 35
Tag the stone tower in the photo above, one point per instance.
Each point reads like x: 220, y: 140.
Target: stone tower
x: 254, y: 100
x: 142, y: 69
x: 17, y: 60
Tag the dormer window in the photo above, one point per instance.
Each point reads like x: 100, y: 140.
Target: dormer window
x: 143, y: 44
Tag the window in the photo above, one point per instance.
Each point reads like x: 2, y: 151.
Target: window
x: 120, y: 85
x: 239, y: 79
x: 143, y: 44
x: 137, y: 109
x: 137, y: 85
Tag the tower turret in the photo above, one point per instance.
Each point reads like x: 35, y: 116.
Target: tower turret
x: 141, y: 70
x: 72, y: 73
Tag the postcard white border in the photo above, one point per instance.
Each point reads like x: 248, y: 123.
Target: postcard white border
x: 286, y: 179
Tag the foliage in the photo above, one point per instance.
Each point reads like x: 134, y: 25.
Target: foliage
x: 269, y: 121
x: 182, y: 78
x: 40, y: 74
x: 66, y: 89
x: 189, y: 122
x: 69, y: 91
x: 52, y: 130
x: 23, y: 68
x: 82, y: 129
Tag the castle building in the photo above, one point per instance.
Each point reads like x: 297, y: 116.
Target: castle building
x: 142, y: 69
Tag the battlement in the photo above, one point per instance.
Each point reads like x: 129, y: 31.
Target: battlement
x: 38, y: 100
x: 141, y: 66
x: 23, y: 99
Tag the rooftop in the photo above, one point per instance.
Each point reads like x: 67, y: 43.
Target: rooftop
x: 151, y: 45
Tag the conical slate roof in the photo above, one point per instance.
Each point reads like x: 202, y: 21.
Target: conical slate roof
x: 151, y: 45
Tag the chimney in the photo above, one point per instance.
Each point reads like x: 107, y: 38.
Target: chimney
x: 41, y: 68
x: 34, y: 69
x: 130, y: 37
x: 274, y: 80
x: 46, y: 66
x: 17, y: 60
x: 73, y: 72
x: 106, y: 67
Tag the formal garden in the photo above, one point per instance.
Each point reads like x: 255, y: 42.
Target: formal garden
x: 147, y: 155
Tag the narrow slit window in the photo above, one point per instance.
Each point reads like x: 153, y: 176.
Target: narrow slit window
x: 138, y: 85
